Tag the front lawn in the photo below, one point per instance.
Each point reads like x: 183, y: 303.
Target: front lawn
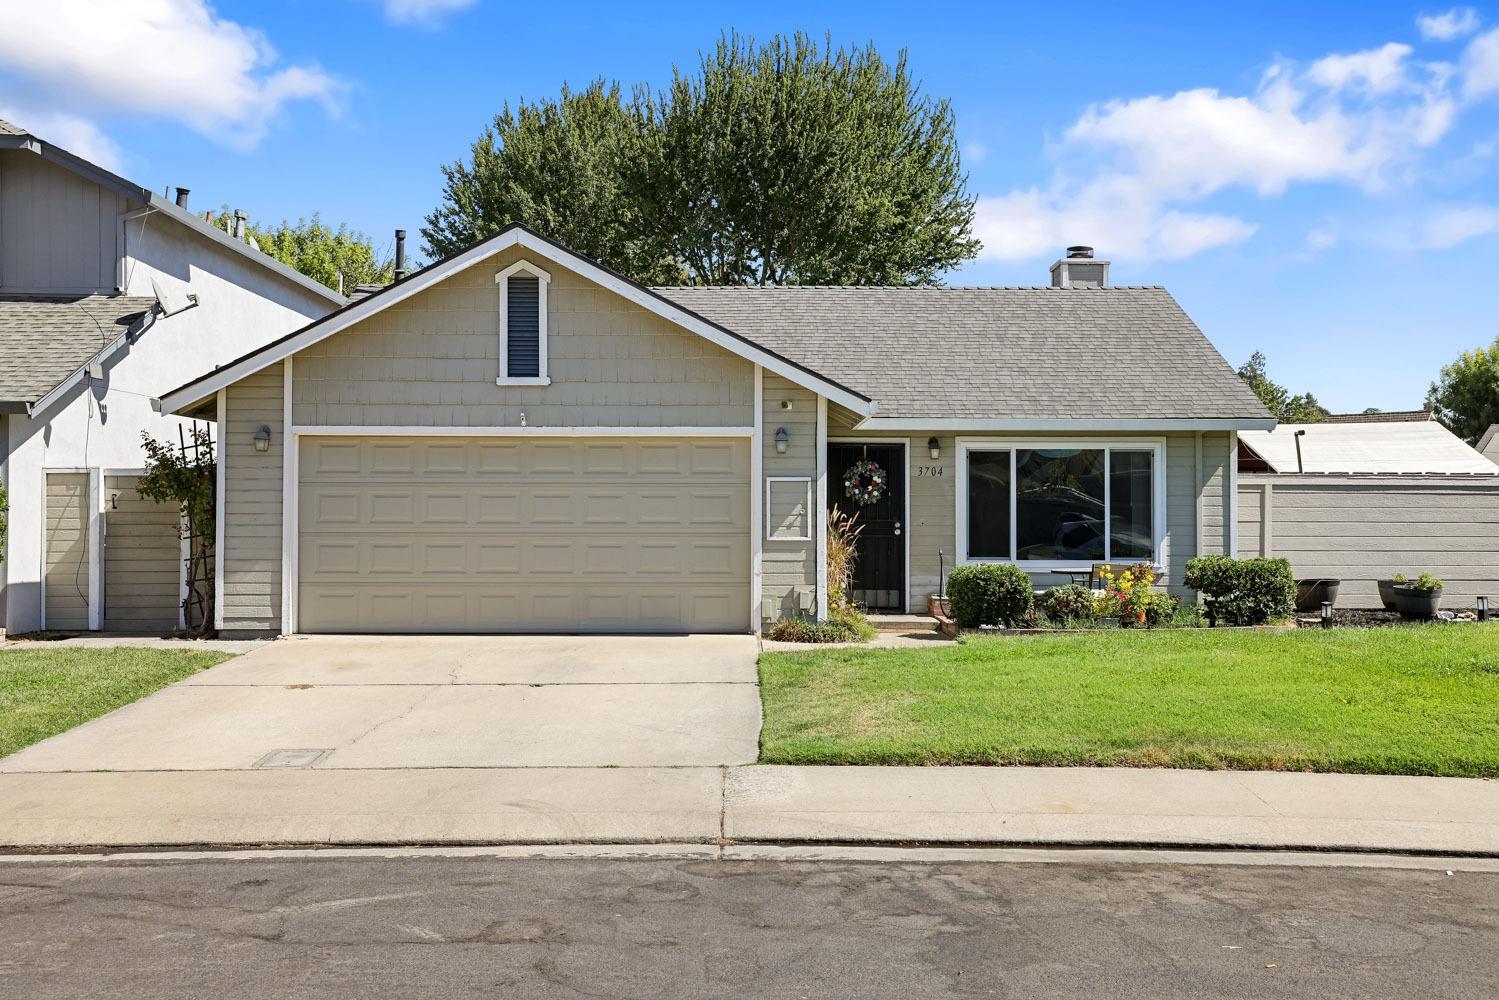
x: 1421, y: 700
x: 46, y: 691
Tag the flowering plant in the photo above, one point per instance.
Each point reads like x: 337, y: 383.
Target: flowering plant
x: 864, y: 483
x: 1126, y: 595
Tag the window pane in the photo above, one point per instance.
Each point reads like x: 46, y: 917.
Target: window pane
x: 1059, y: 503
x: 1130, y: 488
x: 989, y: 504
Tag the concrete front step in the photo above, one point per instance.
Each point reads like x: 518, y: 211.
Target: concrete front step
x: 903, y: 623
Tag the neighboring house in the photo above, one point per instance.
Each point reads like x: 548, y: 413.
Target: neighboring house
x: 1488, y: 445
x: 518, y: 439
x: 1363, y: 501
x: 109, y: 294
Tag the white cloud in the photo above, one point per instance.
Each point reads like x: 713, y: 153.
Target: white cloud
x: 423, y: 11
x: 173, y: 59
x: 1480, y: 66
x: 1444, y: 27
x: 1132, y: 173
x: 975, y: 152
x: 77, y: 135
x: 1447, y: 227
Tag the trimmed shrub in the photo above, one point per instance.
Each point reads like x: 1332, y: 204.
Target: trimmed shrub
x: 990, y: 594
x: 1068, y: 603
x: 1243, y: 591
x: 1161, y: 609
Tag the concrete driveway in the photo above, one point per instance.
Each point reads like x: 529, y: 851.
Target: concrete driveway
x: 366, y: 702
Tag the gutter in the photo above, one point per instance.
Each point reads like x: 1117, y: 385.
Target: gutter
x: 1076, y: 424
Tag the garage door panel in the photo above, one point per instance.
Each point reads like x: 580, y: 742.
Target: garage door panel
x: 464, y: 535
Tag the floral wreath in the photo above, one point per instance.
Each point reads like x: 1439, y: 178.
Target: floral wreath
x: 864, y: 483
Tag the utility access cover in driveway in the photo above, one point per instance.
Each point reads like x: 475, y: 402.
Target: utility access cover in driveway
x: 438, y: 701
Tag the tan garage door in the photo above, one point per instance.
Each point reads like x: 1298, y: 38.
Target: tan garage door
x: 508, y: 535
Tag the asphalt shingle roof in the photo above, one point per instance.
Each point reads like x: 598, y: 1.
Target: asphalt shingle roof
x: 6, y: 128
x: 44, y: 339
x: 1411, y: 446
x: 992, y: 353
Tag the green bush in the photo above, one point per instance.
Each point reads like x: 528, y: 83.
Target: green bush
x: 990, y: 594
x: 1426, y: 582
x: 1243, y: 591
x: 1161, y: 609
x: 843, y: 624
x: 1069, y: 603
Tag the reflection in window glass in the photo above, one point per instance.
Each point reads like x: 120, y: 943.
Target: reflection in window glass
x: 1059, y: 503
x: 989, y: 504
x: 1130, y: 486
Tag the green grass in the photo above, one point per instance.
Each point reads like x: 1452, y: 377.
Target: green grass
x: 1416, y: 700
x: 46, y: 691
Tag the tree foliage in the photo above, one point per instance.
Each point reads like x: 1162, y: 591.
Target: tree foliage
x: 339, y: 258
x: 787, y: 162
x: 1288, y: 408
x: 187, y: 477
x: 1465, y: 396
x: 556, y: 166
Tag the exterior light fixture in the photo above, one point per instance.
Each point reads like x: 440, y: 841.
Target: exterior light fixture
x: 933, y: 447
x: 782, y: 438
x: 263, y: 438
x: 1483, y: 609
x: 1327, y: 614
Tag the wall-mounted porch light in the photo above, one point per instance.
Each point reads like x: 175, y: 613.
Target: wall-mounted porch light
x: 263, y: 438
x: 782, y: 439
x: 934, y: 447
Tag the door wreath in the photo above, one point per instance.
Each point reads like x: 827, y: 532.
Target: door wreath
x: 864, y: 483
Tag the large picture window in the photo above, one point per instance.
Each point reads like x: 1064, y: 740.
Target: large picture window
x: 1060, y: 503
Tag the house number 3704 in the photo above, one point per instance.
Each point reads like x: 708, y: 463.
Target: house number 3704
x: 930, y: 471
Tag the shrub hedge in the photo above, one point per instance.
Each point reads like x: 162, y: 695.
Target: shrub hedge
x: 1243, y: 591
x: 990, y: 594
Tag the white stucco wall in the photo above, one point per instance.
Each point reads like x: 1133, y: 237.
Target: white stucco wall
x: 241, y: 306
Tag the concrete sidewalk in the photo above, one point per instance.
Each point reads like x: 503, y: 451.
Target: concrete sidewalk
x: 752, y: 804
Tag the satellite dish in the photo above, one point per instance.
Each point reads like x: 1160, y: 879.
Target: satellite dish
x: 173, y: 299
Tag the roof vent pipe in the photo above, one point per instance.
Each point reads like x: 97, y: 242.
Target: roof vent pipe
x: 400, y: 268
x: 241, y: 219
x: 182, y: 194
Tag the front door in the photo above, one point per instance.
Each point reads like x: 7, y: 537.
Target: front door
x: 879, y: 582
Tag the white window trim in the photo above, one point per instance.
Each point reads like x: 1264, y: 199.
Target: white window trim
x: 1157, y: 494
x: 502, y: 279
x: 806, y: 536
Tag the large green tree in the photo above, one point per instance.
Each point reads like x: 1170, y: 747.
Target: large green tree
x: 1465, y: 396
x: 1287, y: 407
x: 556, y: 166
x: 787, y: 162
x: 339, y: 258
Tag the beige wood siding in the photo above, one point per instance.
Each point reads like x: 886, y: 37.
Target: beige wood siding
x: 67, y: 563
x: 251, y: 559
x: 60, y: 231
x: 142, y: 560
x: 1361, y: 529
x: 433, y: 360
x: 788, y: 583
x: 502, y: 534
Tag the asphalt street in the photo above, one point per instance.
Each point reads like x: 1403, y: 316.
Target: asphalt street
x: 485, y: 927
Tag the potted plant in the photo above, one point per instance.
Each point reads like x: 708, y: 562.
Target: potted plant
x: 1420, y: 598
x: 1387, y: 589
x: 1311, y: 593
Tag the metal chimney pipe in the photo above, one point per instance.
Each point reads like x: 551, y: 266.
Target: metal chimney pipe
x: 182, y: 194
x: 1297, y: 438
x: 400, y: 269
x: 241, y: 219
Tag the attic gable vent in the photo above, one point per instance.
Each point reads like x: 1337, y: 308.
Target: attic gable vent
x: 523, y: 324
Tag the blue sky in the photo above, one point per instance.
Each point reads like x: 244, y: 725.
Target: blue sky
x: 1315, y: 181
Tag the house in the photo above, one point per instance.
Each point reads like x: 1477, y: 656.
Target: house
x: 1488, y: 445
x: 1362, y: 500
x: 519, y: 439
x: 109, y: 294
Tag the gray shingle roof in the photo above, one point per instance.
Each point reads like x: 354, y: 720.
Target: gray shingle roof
x: 44, y: 339
x: 992, y: 353
x: 6, y: 128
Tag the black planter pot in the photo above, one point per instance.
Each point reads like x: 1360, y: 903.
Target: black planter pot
x: 1311, y: 593
x: 1413, y: 603
x: 1387, y: 594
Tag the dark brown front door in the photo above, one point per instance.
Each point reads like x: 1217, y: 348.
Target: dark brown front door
x: 880, y: 569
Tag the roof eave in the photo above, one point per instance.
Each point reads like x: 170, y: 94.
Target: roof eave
x: 1070, y: 424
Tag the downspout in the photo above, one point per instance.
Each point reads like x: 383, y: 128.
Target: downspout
x: 122, y: 251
